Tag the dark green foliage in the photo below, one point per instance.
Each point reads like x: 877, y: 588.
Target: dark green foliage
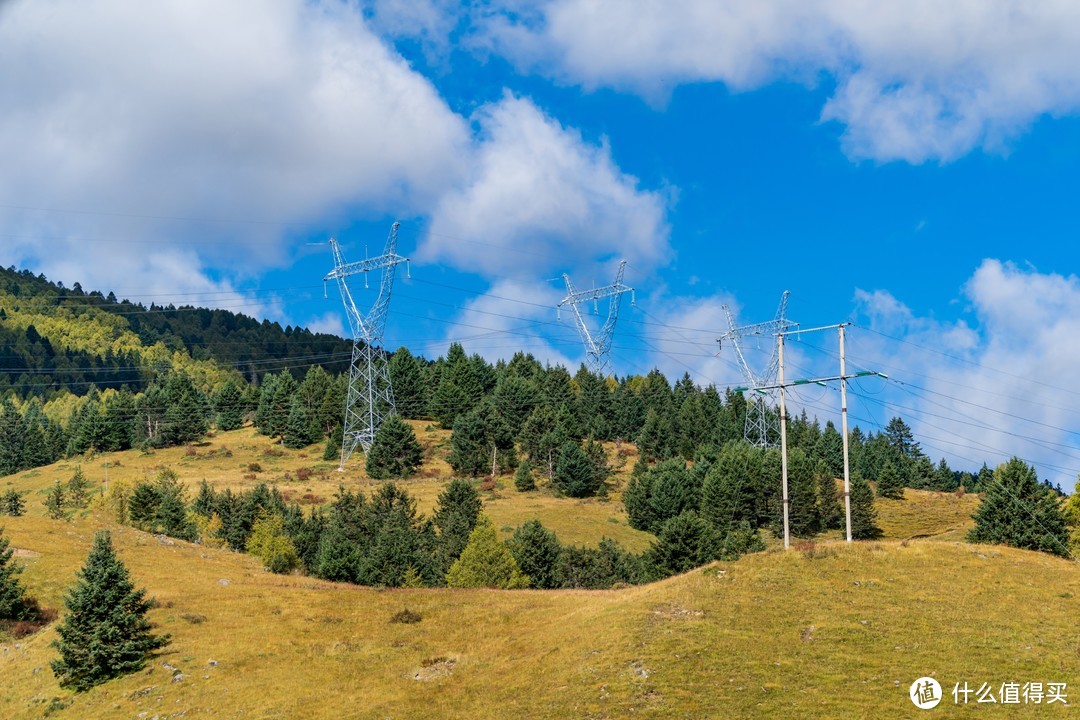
x: 1019, y: 511
x: 655, y: 440
x: 516, y: 398
x: 863, y: 514
x: 143, y: 505
x: 301, y: 426
x: 594, y: 405
x: 536, y: 550
x: 600, y: 567
x: 105, y: 633
x: 229, y: 406
x: 406, y: 377
x: 889, y: 484
x: 459, y: 509
x: 732, y: 487
x: 523, y: 478
x: 78, y: 489
x: 482, y: 443
x: 12, y: 503
x: 673, y: 490
x: 598, y: 460
x: 332, y: 449
x: 395, y: 451
x: 206, y: 501
x: 13, y: 605
x: 804, y: 489
x: 682, y: 542
x: 575, y: 476
x: 55, y: 501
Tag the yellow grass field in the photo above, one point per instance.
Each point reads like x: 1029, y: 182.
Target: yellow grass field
x: 823, y: 631
x: 827, y: 632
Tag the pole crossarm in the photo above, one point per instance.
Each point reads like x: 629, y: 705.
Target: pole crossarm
x: 811, y: 381
x: 597, y: 348
x: 370, y: 398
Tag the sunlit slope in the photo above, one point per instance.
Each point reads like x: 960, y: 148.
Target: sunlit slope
x: 833, y: 632
x: 243, y: 458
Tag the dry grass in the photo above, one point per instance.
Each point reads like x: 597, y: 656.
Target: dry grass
x: 228, y: 460
x: 840, y: 632
x: 925, y: 513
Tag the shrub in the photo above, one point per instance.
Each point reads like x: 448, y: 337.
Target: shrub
x: 406, y: 617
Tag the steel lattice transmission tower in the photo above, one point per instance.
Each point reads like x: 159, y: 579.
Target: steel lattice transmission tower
x: 370, y: 398
x: 762, y: 425
x: 597, y: 348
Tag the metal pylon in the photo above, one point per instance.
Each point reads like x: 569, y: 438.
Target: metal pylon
x: 597, y: 348
x: 762, y: 427
x: 370, y: 399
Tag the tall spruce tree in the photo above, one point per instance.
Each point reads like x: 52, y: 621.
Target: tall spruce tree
x: 863, y: 513
x: 1018, y: 510
x: 12, y: 597
x: 890, y: 484
x: 12, y: 503
x: 536, y: 550
x: 105, y: 633
x: 395, y: 451
x: 575, y: 476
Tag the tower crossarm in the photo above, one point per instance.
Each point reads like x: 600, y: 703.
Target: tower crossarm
x: 597, y: 347
x: 370, y: 327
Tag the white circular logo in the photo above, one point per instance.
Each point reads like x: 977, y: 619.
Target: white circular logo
x: 925, y: 693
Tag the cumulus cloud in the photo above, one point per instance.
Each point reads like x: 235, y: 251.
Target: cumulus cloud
x: 985, y: 389
x: 182, y: 149
x: 538, y: 194
x: 914, y: 81
x: 201, y: 133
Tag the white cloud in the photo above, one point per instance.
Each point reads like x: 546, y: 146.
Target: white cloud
x: 988, y: 389
x: 539, y: 196
x: 141, y: 147
x: 914, y: 81
x: 330, y: 323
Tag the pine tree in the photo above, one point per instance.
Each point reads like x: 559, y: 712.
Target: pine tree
x: 395, y: 451
x: 300, y: 429
x: 673, y: 490
x: 105, y: 633
x: 77, y: 489
x: 574, y: 474
x: 523, y: 477
x: 410, y: 392
x: 142, y: 506
x: 485, y: 562
x: 1019, y: 511
x: 458, y: 511
x: 890, y: 484
x: 536, y: 550
x: 12, y: 596
x: 12, y: 503
x: 54, y: 502
x: 863, y: 513
x: 229, y: 406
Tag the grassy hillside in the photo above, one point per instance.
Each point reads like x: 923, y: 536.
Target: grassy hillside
x: 829, y: 631
x: 825, y: 630
x: 226, y: 461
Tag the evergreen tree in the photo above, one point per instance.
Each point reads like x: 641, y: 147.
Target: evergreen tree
x: 1019, y: 511
x: 458, y: 511
x: 804, y: 511
x: 78, y: 489
x: 301, y: 428
x: 682, y: 542
x: 229, y: 406
x: 637, y: 495
x: 863, y: 513
x: 656, y: 439
x: 105, y: 633
x: 523, y: 477
x: 889, y: 484
x: 536, y: 550
x: 732, y: 486
x: 54, y: 502
x: 574, y: 474
x: 12, y: 503
x: 12, y: 597
x: 485, y: 562
x: 406, y: 377
x: 673, y: 490
x: 395, y: 451
x: 143, y: 505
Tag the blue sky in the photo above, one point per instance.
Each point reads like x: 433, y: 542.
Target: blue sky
x: 906, y: 167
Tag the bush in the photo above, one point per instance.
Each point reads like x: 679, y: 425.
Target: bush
x: 406, y: 617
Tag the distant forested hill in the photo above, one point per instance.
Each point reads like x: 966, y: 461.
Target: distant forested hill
x: 54, y: 338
